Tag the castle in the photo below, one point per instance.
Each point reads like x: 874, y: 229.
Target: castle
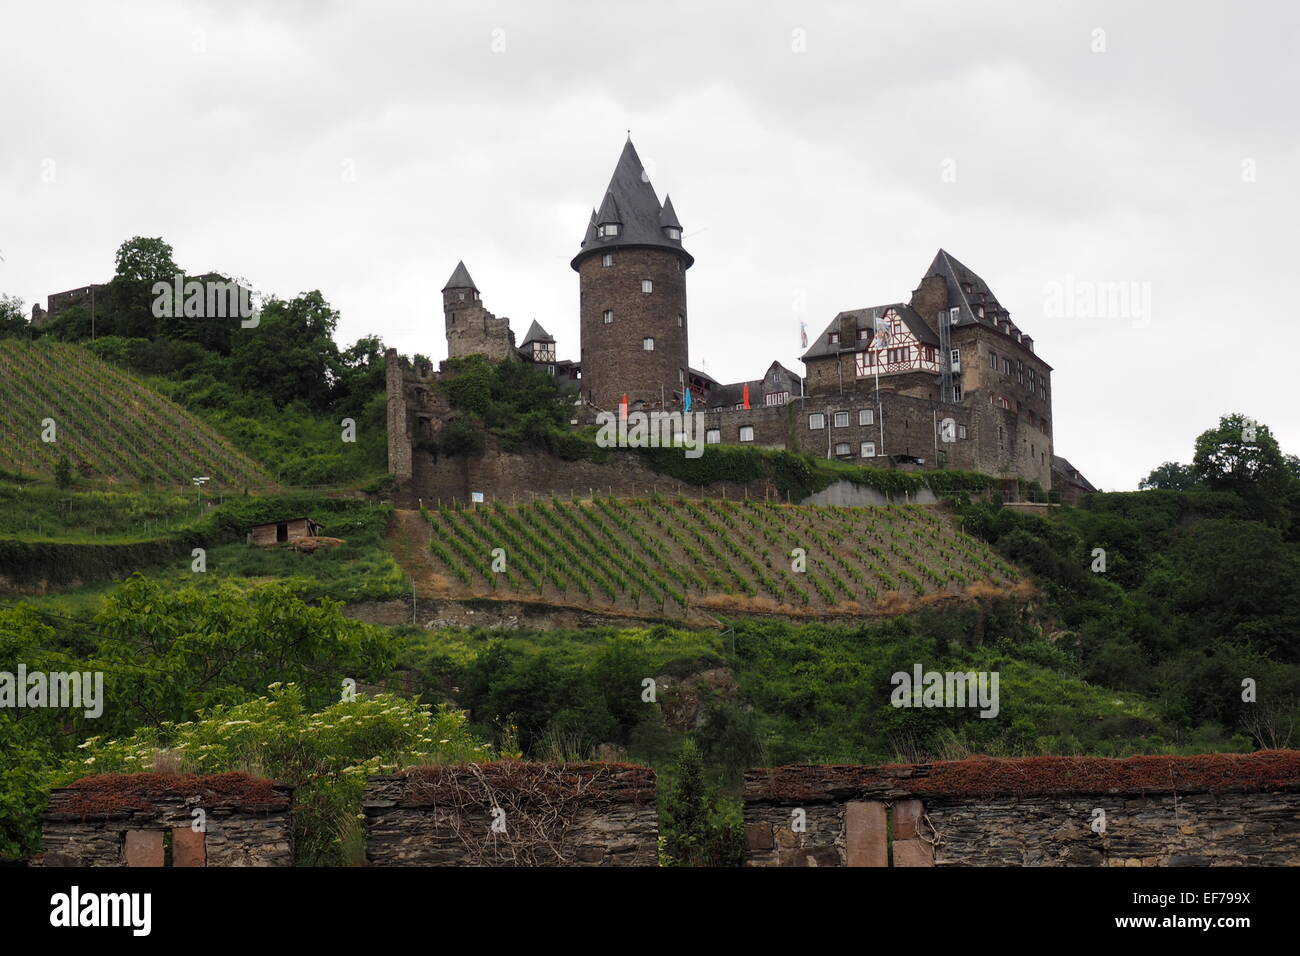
x: 945, y: 379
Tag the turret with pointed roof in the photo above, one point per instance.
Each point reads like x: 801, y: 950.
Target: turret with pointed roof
x: 630, y: 215
x: 471, y: 328
x: 460, y: 278
x: 632, y: 275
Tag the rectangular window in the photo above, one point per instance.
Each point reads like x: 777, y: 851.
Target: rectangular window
x: 866, y: 416
x: 681, y: 320
x: 868, y: 449
x: 956, y: 391
x: 647, y: 285
x: 841, y: 419
x: 746, y: 432
x: 834, y: 338
x: 903, y: 354
x: 648, y: 344
x: 776, y: 398
x: 928, y: 352
x: 993, y: 361
x: 954, y: 356
x: 713, y: 436
x: 608, y: 316
x: 1020, y: 371
x: 961, y: 431
x: 862, y: 363
x: 607, y: 259
x: 863, y: 334
x: 842, y: 449
x: 816, y: 420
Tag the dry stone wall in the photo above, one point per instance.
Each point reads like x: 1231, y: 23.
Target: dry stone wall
x: 513, y: 814
x: 1213, y: 810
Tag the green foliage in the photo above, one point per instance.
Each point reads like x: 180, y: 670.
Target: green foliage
x: 326, y: 753
x: 698, y: 827
x: 63, y: 472
x: 1171, y: 476
x: 521, y: 404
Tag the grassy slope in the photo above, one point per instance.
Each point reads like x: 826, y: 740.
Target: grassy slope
x: 109, y: 424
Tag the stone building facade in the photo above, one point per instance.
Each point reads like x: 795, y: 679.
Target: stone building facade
x: 1212, y: 810
x: 943, y: 380
x: 183, y: 820
x: 513, y: 814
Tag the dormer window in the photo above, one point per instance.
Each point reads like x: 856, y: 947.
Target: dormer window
x: 607, y: 230
x: 834, y: 338
x: 673, y: 233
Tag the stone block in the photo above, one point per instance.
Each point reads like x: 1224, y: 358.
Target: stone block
x: 865, y: 835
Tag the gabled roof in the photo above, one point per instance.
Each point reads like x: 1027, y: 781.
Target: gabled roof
x: 536, y: 333
x: 855, y: 319
x: 631, y: 202
x: 728, y: 396
x: 956, y: 276
x: 460, y: 279
x: 1071, y: 473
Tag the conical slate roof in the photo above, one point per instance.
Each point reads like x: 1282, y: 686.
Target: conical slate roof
x: 667, y: 217
x: 631, y: 202
x: 536, y: 333
x: 460, y: 279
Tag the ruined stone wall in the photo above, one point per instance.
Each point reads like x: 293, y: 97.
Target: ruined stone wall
x: 513, y: 814
x: 102, y: 825
x: 1214, y: 810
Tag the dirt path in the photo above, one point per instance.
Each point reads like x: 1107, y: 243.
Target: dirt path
x: 408, y: 539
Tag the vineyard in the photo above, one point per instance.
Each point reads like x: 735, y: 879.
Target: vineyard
x: 667, y: 555
x: 108, y: 423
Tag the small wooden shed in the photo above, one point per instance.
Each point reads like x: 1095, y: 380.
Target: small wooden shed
x: 271, y: 533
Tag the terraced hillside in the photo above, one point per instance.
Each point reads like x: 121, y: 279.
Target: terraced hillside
x: 663, y: 555
x: 109, y: 424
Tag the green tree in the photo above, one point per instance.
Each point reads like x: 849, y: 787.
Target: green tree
x: 697, y: 829
x: 1171, y: 476
x: 13, y: 320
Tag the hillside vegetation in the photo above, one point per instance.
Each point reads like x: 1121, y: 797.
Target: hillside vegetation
x: 107, y: 423
x: 659, y: 554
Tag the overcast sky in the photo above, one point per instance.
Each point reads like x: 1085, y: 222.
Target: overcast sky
x: 818, y: 155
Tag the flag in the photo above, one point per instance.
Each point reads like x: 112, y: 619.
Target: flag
x: 803, y: 333
x: 622, y: 407
x: 746, y: 399
x: 882, y: 334
x: 688, y: 399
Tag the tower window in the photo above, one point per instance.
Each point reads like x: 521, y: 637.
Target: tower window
x: 607, y: 259
x: 674, y: 233
x: 609, y: 316
x: 647, y: 285
x: 648, y: 344
x: 681, y: 320
x: 608, y: 230
x: 462, y: 296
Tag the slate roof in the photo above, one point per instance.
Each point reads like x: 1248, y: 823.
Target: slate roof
x: 630, y: 201
x: 733, y: 394
x: 866, y: 319
x: 536, y: 333
x: 956, y: 275
x: 460, y: 279
x: 1073, y: 474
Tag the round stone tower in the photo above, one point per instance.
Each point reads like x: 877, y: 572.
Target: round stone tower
x: 632, y: 286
